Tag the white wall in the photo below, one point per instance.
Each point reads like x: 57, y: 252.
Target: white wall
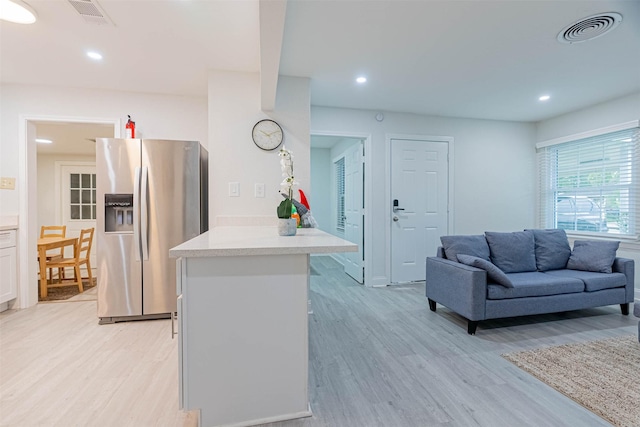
x: 614, y: 112
x: 321, y: 189
x: 494, y: 164
x: 610, y: 113
x: 156, y: 116
x: 234, y: 107
x: 47, y: 203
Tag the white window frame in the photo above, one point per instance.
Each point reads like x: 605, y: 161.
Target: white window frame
x: 92, y: 196
x: 548, y: 191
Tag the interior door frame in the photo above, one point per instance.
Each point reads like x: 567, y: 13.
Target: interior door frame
x: 28, y: 217
x: 368, y: 191
x: 449, y: 140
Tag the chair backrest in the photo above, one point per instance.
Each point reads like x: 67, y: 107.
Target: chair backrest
x: 53, y: 231
x: 84, y: 244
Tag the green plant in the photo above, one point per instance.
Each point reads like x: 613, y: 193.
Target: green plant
x: 284, y: 209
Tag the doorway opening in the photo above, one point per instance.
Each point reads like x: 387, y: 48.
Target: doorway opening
x: 339, y: 199
x: 58, y: 178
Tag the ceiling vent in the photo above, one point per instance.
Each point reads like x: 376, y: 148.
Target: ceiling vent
x: 589, y: 28
x: 91, y: 12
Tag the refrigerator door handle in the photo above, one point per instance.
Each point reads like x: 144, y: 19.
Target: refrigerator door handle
x: 136, y: 213
x: 144, y: 213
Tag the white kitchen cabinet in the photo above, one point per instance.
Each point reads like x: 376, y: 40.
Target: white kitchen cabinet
x: 242, y: 323
x: 8, y: 266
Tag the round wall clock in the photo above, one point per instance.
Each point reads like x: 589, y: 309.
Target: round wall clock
x: 267, y: 134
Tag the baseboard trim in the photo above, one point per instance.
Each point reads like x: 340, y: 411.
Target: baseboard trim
x: 275, y: 419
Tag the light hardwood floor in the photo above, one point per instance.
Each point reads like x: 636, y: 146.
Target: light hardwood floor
x: 378, y: 357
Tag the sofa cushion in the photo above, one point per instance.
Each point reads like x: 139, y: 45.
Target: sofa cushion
x: 593, y: 281
x: 494, y: 274
x: 593, y: 255
x: 534, y: 284
x: 512, y: 252
x: 466, y: 245
x: 552, y: 249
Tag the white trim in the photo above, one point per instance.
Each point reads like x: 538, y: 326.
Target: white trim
x: 274, y: 419
x: 589, y: 134
x: 369, y: 280
x: 449, y: 140
x: 28, y: 232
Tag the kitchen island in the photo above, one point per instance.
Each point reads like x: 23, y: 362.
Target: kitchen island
x: 242, y: 323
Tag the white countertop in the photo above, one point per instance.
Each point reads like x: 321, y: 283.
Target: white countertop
x: 244, y: 241
x: 9, y: 222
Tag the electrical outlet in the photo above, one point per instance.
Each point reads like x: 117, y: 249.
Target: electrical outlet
x: 7, y: 183
x: 259, y: 189
x: 234, y: 189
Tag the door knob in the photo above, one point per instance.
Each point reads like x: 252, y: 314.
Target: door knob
x: 396, y: 219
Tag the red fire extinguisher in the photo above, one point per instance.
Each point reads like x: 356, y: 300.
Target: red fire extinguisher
x: 130, y: 128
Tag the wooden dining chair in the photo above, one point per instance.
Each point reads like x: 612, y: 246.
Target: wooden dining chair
x: 82, y: 254
x: 54, y: 231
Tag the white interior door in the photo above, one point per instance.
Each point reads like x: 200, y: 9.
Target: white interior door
x: 78, y: 202
x: 419, y: 184
x: 353, y: 209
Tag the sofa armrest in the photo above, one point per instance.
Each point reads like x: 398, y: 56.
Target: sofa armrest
x: 460, y: 287
x: 627, y: 267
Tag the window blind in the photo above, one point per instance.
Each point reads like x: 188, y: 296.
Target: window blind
x: 592, y: 184
x: 340, y: 217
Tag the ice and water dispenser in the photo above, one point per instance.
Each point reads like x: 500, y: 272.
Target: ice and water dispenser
x: 118, y: 215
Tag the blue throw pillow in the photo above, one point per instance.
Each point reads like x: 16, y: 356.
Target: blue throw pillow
x: 512, y: 252
x: 467, y: 245
x: 493, y: 272
x: 593, y: 255
x: 552, y: 249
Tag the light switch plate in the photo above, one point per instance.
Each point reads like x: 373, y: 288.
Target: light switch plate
x: 7, y: 183
x: 234, y: 189
x: 259, y: 190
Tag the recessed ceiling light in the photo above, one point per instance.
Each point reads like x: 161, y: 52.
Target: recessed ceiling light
x: 544, y: 98
x: 361, y: 79
x: 94, y: 55
x: 17, y: 11
x: 44, y: 141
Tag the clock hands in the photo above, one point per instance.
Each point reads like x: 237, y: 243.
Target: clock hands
x: 269, y: 134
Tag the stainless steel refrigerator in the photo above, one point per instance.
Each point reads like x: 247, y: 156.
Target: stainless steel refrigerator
x: 151, y: 196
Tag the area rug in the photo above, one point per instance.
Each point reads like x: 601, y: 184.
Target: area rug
x: 65, y: 292
x: 603, y: 376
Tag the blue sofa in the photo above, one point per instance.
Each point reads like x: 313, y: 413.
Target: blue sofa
x: 499, y: 275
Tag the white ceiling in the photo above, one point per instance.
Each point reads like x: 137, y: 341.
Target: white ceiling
x: 478, y: 59
x: 481, y: 59
x: 157, y: 46
x: 71, y: 138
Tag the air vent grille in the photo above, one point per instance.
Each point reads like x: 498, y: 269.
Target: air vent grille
x: 589, y: 28
x: 91, y: 12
